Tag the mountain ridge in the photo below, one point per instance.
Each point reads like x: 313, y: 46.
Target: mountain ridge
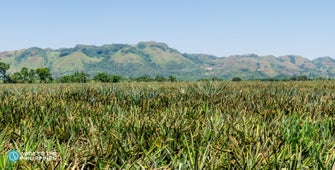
x: 154, y: 58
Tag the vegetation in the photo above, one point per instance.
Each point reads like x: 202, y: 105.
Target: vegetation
x: 152, y: 58
x: 77, y: 77
x: 158, y: 78
x: 299, y: 78
x: 236, y: 79
x: 44, y: 74
x: 200, y: 125
x: 24, y: 76
x: 117, y: 59
x: 3, y: 69
x: 107, y: 78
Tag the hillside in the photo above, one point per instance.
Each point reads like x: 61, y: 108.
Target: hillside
x: 154, y: 58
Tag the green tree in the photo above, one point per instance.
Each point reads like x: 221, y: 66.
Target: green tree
x: 144, y: 78
x: 77, y: 77
x: 236, y: 79
x: 115, y: 78
x: 299, y: 78
x: 172, y: 78
x: 102, y: 77
x: 65, y: 79
x: 159, y: 78
x: 107, y: 78
x: 25, y: 74
x: 17, y: 77
x: 31, y: 75
x: 80, y: 77
x: 44, y: 74
x: 3, y: 69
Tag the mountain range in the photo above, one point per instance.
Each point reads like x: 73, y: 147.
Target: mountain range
x: 153, y: 58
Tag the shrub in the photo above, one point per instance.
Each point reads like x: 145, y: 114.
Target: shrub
x: 236, y: 79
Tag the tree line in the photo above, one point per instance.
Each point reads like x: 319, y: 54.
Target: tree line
x: 43, y: 75
x: 25, y: 75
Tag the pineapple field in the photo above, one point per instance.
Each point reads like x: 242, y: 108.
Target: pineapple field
x: 179, y: 125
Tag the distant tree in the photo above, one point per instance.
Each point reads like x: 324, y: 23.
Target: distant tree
x: 24, y: 74
x: 294, y: 78
x: 77, y: 77
x: 102, y: 77
x: 31, y: 75
x: 65, y: 79
x: 236, y: 79
x: 44, y: 74
x: 302, y: 78
x: 159, y: 78
x: 80, y: 77
x: 115, y: 78
x: 144, y: 78
x: 107, y: 78
x: 172, y: 78
x: 16, y: 78
x: 215, y: 79
x: 3, y: 69
x: 299, y: 78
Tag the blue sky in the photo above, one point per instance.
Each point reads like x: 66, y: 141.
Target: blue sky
x: 218, y: 27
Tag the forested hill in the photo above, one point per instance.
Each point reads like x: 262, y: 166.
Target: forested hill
x: 154, y: 58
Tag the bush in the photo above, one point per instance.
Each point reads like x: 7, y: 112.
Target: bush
x: 77, y: 77
x: 160, y: 78
x: 236, y: 79
x: 107, y: 78
x: 144, y: 78
x: 299, y: 78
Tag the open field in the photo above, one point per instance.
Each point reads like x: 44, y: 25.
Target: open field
x: 211, y: 125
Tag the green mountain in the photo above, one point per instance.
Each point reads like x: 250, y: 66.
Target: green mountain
x: 154, y: 58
